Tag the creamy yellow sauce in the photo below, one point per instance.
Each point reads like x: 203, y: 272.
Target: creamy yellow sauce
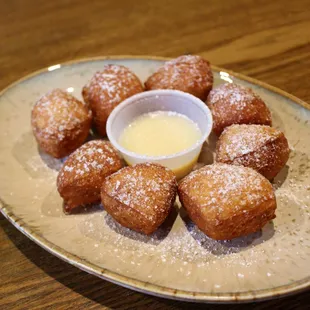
x: 160, y: 133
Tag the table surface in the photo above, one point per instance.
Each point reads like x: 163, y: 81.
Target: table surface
x: 267, y: 40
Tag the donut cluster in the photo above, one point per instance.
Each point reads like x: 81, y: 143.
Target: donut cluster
x: 227, y: 199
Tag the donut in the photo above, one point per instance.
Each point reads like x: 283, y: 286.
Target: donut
x: 227, y: 201
x: 80, y: 178
x: 262, y: 148
x: 140, y: 197
x: 190, y: 74
x: 234, y: 104
x: 108, y: 88
x: 60, y: 123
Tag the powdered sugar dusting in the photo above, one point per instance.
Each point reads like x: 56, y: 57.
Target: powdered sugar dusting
x: 56, y: 113
x: 183, y: 243
x: 238, y: 140
x: 144, y: 189
x: 225, y: 190
x: 92, y: 157
x: 262, y: 148
x: 189, y: 73
x: 188, y: 64
x: 235, y: 104
x: 236, y: 95
x: 112, y: 85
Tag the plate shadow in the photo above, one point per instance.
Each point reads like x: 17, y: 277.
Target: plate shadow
x: 155, y: 238
x: 226, y: 247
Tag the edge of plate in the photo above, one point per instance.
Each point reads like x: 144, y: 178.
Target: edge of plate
x: 138, y: 285
x: 145, y: 57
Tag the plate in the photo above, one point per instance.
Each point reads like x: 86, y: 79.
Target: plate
x: 178, y: 261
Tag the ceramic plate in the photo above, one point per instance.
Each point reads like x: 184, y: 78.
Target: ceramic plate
x: 178, y: 261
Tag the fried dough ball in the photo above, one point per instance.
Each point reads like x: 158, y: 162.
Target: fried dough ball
x: 107, y: 89
x: 234, y: 104
x: 191, y: 74
x: 262, y: 148
x: 80, y: 178
x: 60, y: 123
x: 227, y: 201
x: 140, y: 197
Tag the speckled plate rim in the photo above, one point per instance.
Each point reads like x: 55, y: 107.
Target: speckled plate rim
x: 137, y: 285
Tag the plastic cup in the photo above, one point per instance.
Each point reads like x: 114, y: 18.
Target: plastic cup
x: 161, y: 100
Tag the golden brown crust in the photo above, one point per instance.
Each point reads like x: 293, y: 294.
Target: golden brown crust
x: 262, y: 148
x: 234, y: 104
x: 227, y: 201
x: 79, y: 180
x: 107, y: 89
x: 191, y: 74
x: 140, y: 197
x: 60, y: 123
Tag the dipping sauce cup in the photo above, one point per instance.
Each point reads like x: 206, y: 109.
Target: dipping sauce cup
x: 161, y: 100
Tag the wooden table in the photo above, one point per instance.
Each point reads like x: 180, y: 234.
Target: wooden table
x: 267, y: 40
